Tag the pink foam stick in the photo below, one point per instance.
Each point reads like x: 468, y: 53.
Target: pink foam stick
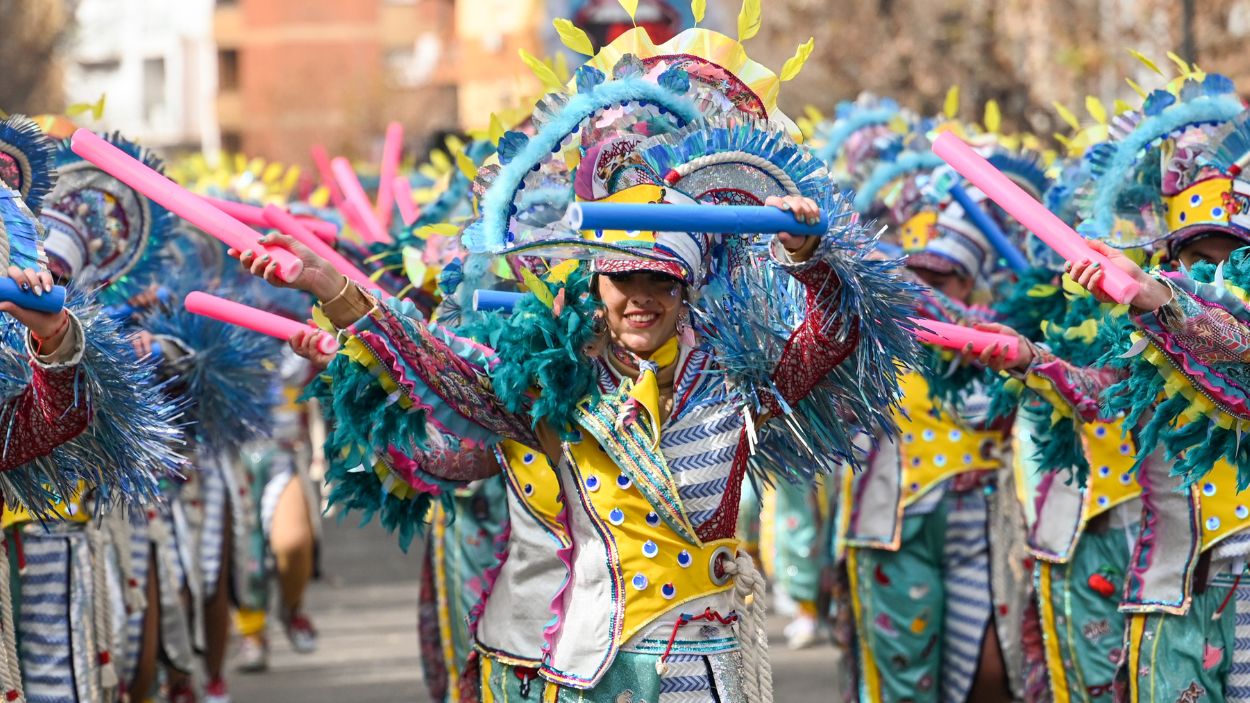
x: 179, y: 200
x: 255, y: 216
x: 322, y: 161
x: 392, y: 149
x: 1119, y: 285
x: 408, y: 208
x: 359, y: 207
x: 230, y: 312
x: 288, y: 224
x: 957, y: 337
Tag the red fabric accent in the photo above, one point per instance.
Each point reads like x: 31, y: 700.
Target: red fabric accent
x: 724, y: 523
x: 52, y: 410
x: 669, y: 268
x: 814, y: 349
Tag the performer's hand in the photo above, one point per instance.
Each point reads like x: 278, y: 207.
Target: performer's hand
x: 1089, y: 274
x: 318, y: 277
x: 142, y: 342
x: 806, y: 211
x: 304, y: 343
x: 49, y: 328
x: 147, y: 299
x: 995, y: 356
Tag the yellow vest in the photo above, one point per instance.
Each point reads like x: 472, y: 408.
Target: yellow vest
x: 1110, y: 456
x: 933, y: 445
x: 1224, y: 511
x: 70, y: 510
x: 659, y: 570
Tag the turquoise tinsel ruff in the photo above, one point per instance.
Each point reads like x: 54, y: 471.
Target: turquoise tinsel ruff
x: 134, y: 434
x: 223, y: 377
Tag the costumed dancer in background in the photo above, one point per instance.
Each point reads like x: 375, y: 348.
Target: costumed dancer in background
x: 226, y: 376
x: 105, y: 236
x: 643, y: 523
x: 1082, y: 524
x: 65, y: 526
x: 1171, y: 177
x: 278, y: 507
x: 933, y: 529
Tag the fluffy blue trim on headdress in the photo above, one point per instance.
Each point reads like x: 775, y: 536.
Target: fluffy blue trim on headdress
x: 225, y: 378
x: 22, y: 231
x: 491, y: 233
x: 886, y: 172
x: 134, y: 433
x: 22, y: 139
x: 1099, y: 212
x: 746, y: 325
x: 845, y: 127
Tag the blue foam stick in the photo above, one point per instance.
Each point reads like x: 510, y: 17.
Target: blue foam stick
x: 997, y: 238
x: 485, y: 300
x: 10, y: 292
x: 893, y: 251
x: 714, y: 219
x: 126, y: 311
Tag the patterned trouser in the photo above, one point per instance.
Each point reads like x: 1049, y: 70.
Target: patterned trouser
x: 921, y: 612
x: 1083, y: 628
x: 1202, y: 656
x: 54, y: 622
x: 689, y: 678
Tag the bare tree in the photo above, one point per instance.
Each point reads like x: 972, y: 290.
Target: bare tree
x: 32, y: 33
x: 1024, y: 54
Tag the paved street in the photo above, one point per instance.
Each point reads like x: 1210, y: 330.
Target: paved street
x: 365, y: 610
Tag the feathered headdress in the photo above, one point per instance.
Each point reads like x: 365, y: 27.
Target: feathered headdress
x: 1148, y: 157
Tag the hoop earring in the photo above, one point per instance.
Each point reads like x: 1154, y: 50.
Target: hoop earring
x: 685, y: 331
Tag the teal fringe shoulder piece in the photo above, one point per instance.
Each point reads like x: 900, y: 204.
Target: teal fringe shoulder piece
x: 541, y: 366
x: 1149, y: 390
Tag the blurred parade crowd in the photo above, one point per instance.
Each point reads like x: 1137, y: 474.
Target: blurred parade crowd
x: 640, y: 358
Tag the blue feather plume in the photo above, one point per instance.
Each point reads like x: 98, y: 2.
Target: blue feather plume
x: 747, y: 323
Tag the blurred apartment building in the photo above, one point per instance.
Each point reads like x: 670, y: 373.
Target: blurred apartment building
x: 271, y: 77
x: 292, y: 73
x: 156, y: 63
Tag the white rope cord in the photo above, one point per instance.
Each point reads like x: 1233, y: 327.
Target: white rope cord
x: 749, y: 593
x: 10, y: 662
x: 121, y: 532
x: 102, y: 608
x: 730, y: 157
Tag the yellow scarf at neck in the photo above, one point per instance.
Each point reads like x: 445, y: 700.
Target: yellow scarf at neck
x: 645, y: 389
